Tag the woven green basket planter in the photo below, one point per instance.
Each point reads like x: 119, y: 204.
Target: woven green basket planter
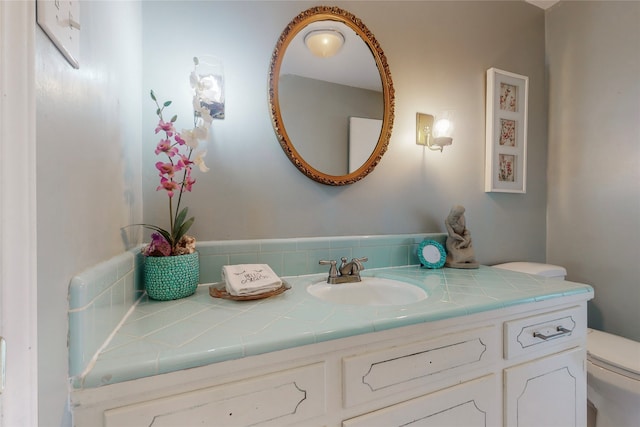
x: 171, y: 277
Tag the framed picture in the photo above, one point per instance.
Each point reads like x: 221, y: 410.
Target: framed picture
x: 506, y: 138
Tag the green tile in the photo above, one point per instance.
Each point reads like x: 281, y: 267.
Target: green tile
x: 211, y: 267
x: 275, y: 260
x: 278, y: 245
x: 282, y: 333
x: 399, y: 255
x: 314, y: 257
x: 208, y: 348
x: 80, y: 331
x: 338, y: 254
x: 314, y: 243
x: 168, y: 336
x: 243, y: 258
x: 344, y: 242
x: 295, y: 263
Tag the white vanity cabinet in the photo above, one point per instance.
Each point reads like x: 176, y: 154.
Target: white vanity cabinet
x: 289, y: 396
x: 518, y: 366
x: 549, y: 390
x: 471, y: 404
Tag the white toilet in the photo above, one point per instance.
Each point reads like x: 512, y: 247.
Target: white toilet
x: 613, y: 366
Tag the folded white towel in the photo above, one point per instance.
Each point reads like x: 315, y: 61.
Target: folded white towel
x: 249, y: 279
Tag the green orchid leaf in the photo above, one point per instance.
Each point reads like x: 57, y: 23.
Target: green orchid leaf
x: 166, y: 236
x: 184, y: 228
x: 158, y: 111
x: 167, y: 103
x: 153, y: 96
x: 162, y: 231
x: 179, y: 220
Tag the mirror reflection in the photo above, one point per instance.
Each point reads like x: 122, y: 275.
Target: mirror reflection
x: 332, y: 112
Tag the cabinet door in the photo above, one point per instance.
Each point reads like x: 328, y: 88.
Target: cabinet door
x: 547, y: 392
x: 470, y: 404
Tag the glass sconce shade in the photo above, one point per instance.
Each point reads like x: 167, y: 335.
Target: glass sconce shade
x: 432, y: 133
x: 324, y: 43
x: 211, y: 79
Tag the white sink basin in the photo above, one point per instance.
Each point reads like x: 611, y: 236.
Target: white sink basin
x: 370, y: 291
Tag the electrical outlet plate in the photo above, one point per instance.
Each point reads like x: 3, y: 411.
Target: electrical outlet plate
x: 60, y: 20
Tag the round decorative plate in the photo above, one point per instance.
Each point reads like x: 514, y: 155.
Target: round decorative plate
x: 431, y: 254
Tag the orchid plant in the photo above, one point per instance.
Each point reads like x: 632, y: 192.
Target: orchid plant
x: 179, y: 153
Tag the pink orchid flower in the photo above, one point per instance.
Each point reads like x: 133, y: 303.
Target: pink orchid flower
x: 185, y: 159
x: 166, y: 169
x: 179, y: 165
x: 164, y: 146
x: 188, y: 183
x: 175, y: 171
x: 168, y: 185
x: 165, y: 126
x: 158, y: 246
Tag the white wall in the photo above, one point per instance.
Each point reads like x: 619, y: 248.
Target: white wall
x: 593, y: 52
x: 438, y: 53
x: 88, y: 171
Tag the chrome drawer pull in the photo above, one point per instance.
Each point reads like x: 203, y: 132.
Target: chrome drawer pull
x: 560, y: 329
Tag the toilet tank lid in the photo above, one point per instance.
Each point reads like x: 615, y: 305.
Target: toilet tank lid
x: 546, y: 270
x: 614, y: 352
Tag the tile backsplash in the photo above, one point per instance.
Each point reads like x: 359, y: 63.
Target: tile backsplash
x: 101, y: 296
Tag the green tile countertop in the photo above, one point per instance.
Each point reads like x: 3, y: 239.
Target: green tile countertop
x: 157, y: 337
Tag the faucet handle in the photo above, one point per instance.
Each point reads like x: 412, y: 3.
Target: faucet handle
x: 358, y: 262
x: 333, y: 270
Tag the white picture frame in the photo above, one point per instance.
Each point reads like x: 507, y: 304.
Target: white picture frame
x: 506, y: 132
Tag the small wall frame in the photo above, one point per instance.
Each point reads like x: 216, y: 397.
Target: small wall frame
x: 506, y: 132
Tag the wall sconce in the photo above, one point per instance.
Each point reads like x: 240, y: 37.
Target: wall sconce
x: 324, y: 43
x: 211, y: 81
x: 435, y: 134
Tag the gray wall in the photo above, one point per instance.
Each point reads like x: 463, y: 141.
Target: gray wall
x: 253, y: 191
x: 88, y: 172
x: 316, y: 116
x: 89, y: 138
x: 593, y: 52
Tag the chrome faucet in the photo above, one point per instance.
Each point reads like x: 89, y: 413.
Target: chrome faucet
x: 348, y: 272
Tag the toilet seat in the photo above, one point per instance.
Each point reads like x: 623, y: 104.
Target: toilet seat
x: 546, y: 270
x: 614, y: 353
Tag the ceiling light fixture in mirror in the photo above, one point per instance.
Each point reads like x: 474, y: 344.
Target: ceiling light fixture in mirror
x: 332, y: 114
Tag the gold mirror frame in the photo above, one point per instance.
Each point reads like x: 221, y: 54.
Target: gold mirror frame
x: 305, y: 18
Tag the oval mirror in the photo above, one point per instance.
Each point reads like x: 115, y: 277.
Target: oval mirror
x: 332, y: 114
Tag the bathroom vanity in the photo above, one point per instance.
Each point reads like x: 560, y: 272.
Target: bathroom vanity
x: 487, y: 347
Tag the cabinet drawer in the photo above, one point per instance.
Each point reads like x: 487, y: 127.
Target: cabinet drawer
x: 424, y: 363
x: 280, y: 398
x: 535, y: 333
x: 470, y: 404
